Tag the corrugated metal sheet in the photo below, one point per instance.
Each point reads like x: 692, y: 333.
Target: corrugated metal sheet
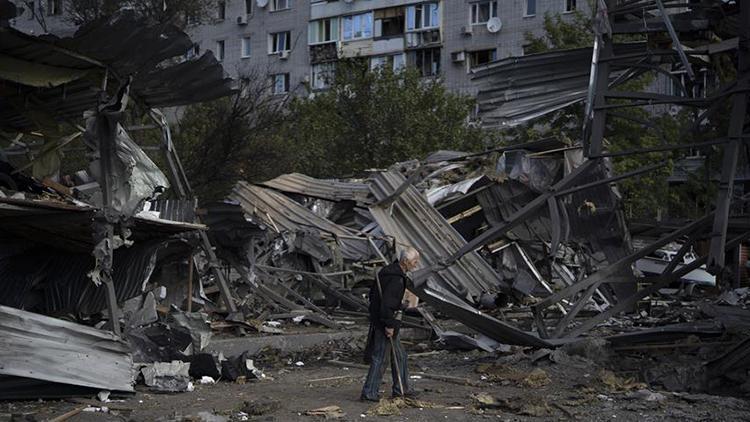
x: 414, y: 222
x: 52, y: 281
x: 281, y: 213
x: 454, y: 290
x: 328, y: 189
x: 517, y: 89
x: 128, y: 47
x: 50, y: 349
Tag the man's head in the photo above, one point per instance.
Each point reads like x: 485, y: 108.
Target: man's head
x: 409, y: 259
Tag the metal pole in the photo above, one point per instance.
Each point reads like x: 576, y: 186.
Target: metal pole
x: 190, y: 284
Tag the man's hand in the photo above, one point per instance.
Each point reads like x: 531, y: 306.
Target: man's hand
x: 388, y: 332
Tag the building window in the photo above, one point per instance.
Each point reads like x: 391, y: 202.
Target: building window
x: 480, y: 57
x: 220, y: 50
x: 483, y: 11
x: 193, y: 52
x: 357, y: 26
x: 322, y: 75
x: 395, y: 62
x: 427, y: 61
x: 245, y: 53
x: 570, y: 5
x: 280, y: 83
x: 54, y: 7
x: 279, y: 41
x: 426, y: 15
x: 530, y: 8
x: 389, y: 22
x: 280, y: 4
x: 249, y: 6
x: 323, y: 31
x: 221, y: 10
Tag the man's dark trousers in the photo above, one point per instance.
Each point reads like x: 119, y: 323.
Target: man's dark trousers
x: 381, y: 346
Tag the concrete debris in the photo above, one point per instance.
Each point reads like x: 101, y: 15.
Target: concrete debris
x: 327, y: 412
x: 167, y: 376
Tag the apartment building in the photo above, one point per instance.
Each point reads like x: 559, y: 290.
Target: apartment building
x: 296, y: 43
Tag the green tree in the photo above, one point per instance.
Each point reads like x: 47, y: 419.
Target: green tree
x: 375, y: 118
x: 234, y: 138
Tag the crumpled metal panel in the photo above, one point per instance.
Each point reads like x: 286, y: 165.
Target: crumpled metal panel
x: 126, y: 45
x: 517, y: 89
x: 328, y: 189
x: 412, y: 221
x: 475, y: 319
x: 54, y: 281
x: 281, y: 213
x: 50, y: 349
x: 457, y: 289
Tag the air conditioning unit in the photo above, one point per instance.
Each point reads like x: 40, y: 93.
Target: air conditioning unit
x: 284, y: 54
x: 458, y: 56
x: 467, y: 30
x: 242, y: 20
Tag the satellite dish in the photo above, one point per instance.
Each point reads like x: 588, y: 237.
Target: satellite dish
x: 262, y: 3
x: 494, y: 25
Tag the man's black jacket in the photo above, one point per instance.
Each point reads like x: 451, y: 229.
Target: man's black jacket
x: 393, y: 282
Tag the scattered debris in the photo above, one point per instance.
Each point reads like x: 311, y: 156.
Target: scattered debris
x: 328, y: 412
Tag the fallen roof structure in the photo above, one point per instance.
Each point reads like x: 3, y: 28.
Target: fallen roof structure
x: 91, y: 242
x: 50, y: 350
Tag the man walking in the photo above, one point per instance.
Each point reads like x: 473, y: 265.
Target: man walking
x: 386, y: 295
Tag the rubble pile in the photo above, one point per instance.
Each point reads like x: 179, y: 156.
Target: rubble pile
x: 526, y: 256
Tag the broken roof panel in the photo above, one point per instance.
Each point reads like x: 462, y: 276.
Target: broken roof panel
x: 412, y: 221
x: 125, y: 46
x: 52, y: 350
x: 281, y: 214
x: 328, y: 189
x: 517, y: 89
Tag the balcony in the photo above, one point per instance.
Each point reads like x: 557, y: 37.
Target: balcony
x: 426, y: 38
x: 320, y: 53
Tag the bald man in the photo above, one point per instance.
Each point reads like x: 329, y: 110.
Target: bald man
x: 384, y: 325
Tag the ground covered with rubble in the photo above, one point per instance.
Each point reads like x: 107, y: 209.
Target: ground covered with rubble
x: 519, y: 384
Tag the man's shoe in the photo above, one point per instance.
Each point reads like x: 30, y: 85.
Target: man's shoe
x: 409, y: 395
x: 365, y: 398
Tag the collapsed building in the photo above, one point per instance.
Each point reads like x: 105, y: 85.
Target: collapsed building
x: 534, y: 229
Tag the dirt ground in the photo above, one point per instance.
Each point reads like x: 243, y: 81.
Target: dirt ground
x: 517, y: 386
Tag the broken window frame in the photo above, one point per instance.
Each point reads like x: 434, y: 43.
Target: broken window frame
x: 529, y: 8
x: 361, y: 23
x: 323, y: 31
x: 474, y: 56
x: 392, y: 18
x: 419, y: 61
x: 418, y: 20
x: 476, y: 9
x: 396, y: 62
x: 280, y: 84
x: 279, y: 42
x: 246, y: 48
x: 278, y: 5
x: 221, y: 50
x: 221, y: 10
x: 322, y: 75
